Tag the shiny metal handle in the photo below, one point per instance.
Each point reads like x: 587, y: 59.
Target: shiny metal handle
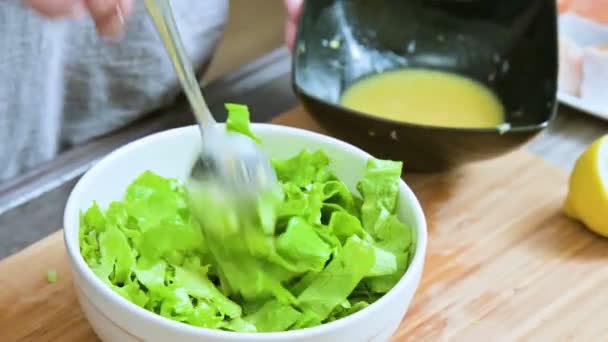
x: 162, y: 15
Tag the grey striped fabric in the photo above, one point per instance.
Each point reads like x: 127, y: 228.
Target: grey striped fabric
x: 62, y: 84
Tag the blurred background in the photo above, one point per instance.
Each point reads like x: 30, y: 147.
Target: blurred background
x: 247, y: 36
x: 31, y: 203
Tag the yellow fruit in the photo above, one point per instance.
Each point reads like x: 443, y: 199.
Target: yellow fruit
x: 587, y: 199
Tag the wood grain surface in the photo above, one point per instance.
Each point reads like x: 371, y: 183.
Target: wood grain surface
x: 503, y: 264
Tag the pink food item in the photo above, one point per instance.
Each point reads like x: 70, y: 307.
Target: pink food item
x: 570, y: 66
x: 594, y: 85
x: 583, y: 50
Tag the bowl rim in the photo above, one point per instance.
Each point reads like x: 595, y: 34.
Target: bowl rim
x: 302, y: 93
x: 79, y: 265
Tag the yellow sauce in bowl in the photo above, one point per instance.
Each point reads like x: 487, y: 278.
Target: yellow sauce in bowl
x: 426, y: 97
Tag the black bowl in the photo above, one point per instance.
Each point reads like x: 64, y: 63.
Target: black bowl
x: 509, y: 46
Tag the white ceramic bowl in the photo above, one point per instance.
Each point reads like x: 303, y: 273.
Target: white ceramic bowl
x: 170, y: 154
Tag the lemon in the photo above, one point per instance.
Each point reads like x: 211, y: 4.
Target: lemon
x: 587, y: 199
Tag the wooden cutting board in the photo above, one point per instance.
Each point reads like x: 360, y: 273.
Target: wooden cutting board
x: 503, y: 264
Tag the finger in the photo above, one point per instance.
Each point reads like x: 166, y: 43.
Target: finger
x: 294, y: 9
x: 127, y: 7
x: 290, y: 33
x: 57, y: 8
x: 110, y: 15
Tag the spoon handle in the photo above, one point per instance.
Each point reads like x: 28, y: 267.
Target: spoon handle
x: 162, y: 15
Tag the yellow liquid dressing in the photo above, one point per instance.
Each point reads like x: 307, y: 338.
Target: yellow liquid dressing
x: 426, y: 97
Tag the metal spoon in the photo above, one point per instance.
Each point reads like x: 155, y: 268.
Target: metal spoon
x: 233, y: 163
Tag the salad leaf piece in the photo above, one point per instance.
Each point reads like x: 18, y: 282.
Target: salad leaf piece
x: 92, y: 223
x: 93, y: 220
x: 176, y: 304
x: 151, y: 199
x: 238, y: 121
x: 306, y: 203
x: 205, y: 316
x: 240, y: 325
x: 327, y: 235
x: 116, y: 255
x: 274, y: 316
x: 295, y: 203
x: 301, y: 246
x: 379, y: 188
x: 345, y: 225
x: 383, y: 284
x: 308, y: 319
x: 336, y: 193
x: 334, y: 284
x: 239, y: 244
x: 346, y: 309
x: 117, y: 216
x: 197, y: 285
x: 303, y: 282
x: 170, y: 237
x: 152, y: 277
x: 393, y: 236
x: 385, y: 263
x: 304, y: 169
x: 51, y: 276
x: 132, y: 292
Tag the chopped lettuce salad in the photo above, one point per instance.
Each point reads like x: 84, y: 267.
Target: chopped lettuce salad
x: 315, y: 253
x: 52, y: 276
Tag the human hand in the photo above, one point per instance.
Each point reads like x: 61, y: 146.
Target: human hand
x: 109, y: 15
x: 294, y: 9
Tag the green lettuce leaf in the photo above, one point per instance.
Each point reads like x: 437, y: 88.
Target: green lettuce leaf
x: 304, y: 169
x: 380, y: 189
x: 52, y: 276
x: 152, y: 276
x: 92, y: 222
x: 116, y: 254
x: 395, y: 237
x: 336, y: 193
x: 301, y: 246
x: 274, y: 316
x: 238, y: 120
x: 151, y: 199
x: 240, y: 325
x: 171, y: 237
x: 197, y: 285
x: 308, y: 319
x: 176, y: 304
x: 306, y: 203
x: 205, y: 316
x: 133, y: 292
x: 303, y: 282
x: 344, y: 225
x: 334, y: 284
x: 385, y: 263
x: 237, y: 240
x: 346, y: 309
